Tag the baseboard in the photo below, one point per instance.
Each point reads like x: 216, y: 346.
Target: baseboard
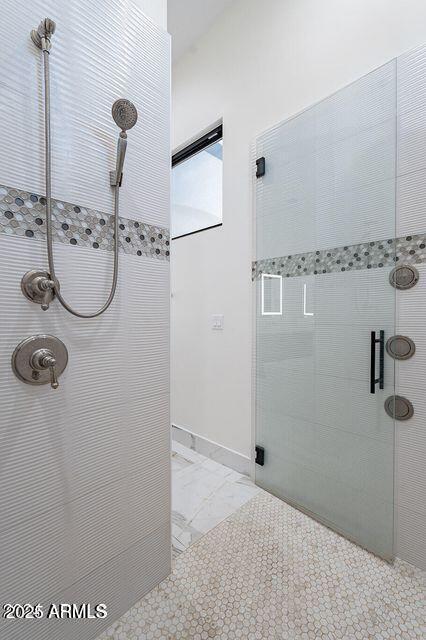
x: 210, y: 449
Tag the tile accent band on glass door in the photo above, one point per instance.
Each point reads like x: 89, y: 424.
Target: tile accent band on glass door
x: 368, y: 255
x: 23, y: 213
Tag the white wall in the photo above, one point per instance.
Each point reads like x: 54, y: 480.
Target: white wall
x: 258, y: 64
x: 84, y: 470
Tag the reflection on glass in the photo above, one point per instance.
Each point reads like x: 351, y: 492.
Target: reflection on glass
x: 272, y: 295
x: 305, y: 312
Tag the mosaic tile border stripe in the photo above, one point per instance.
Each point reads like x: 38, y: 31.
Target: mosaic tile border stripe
x: 367, y: 255
x: 23, y: 213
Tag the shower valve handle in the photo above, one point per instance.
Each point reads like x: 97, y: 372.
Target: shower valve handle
x: 44, y: 359
x: 47, y: 287
x: 53, y: 377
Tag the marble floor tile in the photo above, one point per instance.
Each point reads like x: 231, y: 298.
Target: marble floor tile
x: 180, y: 451
x: 204, y: 493
x: 269, y: 572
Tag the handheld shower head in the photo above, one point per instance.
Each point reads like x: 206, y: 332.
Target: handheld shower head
x: 125, y: 116
x: 124, y: 113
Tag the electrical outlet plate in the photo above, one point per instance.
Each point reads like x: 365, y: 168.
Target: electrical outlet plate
x: 217, y: 322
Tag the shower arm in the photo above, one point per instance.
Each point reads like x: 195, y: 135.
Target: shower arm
x: 41, y: 38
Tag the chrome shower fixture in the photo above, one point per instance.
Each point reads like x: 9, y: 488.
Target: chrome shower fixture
x: 42, y: 35
x: 124, y: 113
x: 125, y: 116
x: 42, y: 286
x: 40, y: 359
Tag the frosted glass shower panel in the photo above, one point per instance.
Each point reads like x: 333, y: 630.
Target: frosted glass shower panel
x: 325, y: 226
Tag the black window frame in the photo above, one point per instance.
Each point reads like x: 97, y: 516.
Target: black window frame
x: 213, y: 136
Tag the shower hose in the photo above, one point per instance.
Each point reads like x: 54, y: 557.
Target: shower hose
x: 48, y: 172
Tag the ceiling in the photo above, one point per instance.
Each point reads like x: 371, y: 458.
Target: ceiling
x: 187, y: 20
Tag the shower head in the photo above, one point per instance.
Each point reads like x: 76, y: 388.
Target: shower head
x: 125, y: 116
x: 124, y: 113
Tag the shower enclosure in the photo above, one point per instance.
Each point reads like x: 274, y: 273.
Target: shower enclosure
x: 325, y: 248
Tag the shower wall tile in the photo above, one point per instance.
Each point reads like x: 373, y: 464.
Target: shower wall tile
x: 343, y: 506
x: 342, y: 351
x: 410, y: 485
x: 366, y: 210
x: 341, y: 455
x: 360, y: 106
x: 411, y: 69
x: 86, y: 513
x: 411, y: 372
x: 307, y: 222
x: 410, y: 321
x: 411, y: 184
x: 109, y: 381
x: 35, y: 556
x: 410, y: 443
x: 94, y: 455
x: 122, y: 513
x: 334, y: 160
x: 412, y: 111
x: 354, y: 298
x: 339, y: 405
x: 410, y: 540
x: 410, y: 205
x: 24, y: 214
x: 412, y: 141
x: 100, y: 52
x: 116, y: 583
x: 373, y: 255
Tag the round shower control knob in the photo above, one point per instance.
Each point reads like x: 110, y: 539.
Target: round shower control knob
x: 404, y: 276
x: 399, y: 408
x: 400, y: 347
x: 40, y: 359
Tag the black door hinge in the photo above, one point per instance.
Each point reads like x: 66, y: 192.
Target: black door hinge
x: 260, y: 456
x: 260, y: 167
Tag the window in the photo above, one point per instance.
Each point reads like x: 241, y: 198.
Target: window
x: 197, y: 186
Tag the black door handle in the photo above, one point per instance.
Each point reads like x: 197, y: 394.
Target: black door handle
x: 380, y: 379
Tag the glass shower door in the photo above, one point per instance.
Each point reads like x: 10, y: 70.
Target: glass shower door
x: 325, y: 245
